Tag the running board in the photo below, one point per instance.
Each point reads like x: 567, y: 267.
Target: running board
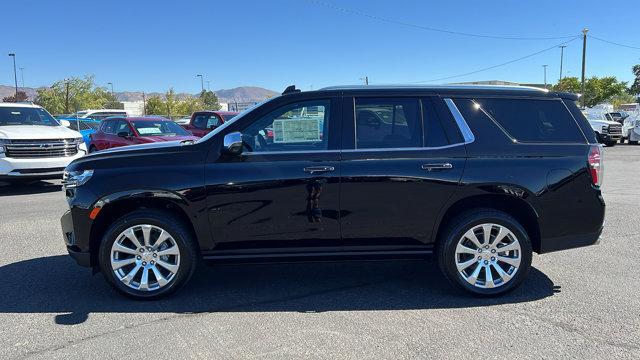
x: 321, y: 254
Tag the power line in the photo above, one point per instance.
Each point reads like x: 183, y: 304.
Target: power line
x: 428, y: 28
x: 499, y: 65
x: 614, y: 43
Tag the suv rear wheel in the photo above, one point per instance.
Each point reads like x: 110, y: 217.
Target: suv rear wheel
x: 485, y: 252
x: 147, y: 254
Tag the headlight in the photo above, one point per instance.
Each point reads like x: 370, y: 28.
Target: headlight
x: 605, y: 128
x: 73, y: 179
x: 2, y: 148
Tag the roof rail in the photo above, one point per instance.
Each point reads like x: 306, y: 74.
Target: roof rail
x: 290, y: 89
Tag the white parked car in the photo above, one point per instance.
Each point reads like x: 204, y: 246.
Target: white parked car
x: 631, y: 128
x: 33, y: 145
x: 608, y: 132
x: 100, y: 114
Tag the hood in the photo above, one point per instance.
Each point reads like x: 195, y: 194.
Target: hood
x: 35, y: 132
x: 168, y: 138
x: 603, y: 122
x: 161, y: 145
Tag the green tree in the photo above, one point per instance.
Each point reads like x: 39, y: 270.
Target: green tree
x: 73, y: 94
x: 624, y: 98
x: 19, y: 96
x: 635, y: 87
x: 155, y: 106
x: 568, y: 84
x: 596, y: 90
x: 209, y: 100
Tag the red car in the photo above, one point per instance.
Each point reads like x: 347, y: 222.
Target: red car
x: 202, y: 122
x: 117, y: 131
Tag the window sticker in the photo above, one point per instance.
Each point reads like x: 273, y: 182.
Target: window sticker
x: 149, y: 131
x: 296, y: 130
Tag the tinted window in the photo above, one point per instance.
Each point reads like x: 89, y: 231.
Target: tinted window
x: 530, y: 120
x: 387, y: 123
x: 109, y: 127
x: 123, y: 126
x: 301, y: 126
x: 206, y: 121
x: 434, y: 132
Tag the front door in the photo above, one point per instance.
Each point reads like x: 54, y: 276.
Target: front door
x: 397, y: 171
x: 283, y: 190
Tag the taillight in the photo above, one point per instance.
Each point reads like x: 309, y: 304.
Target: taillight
x: 595, y: 165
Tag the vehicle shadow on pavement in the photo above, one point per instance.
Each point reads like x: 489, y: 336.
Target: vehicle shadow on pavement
x: 56, y: 285
x: 28, y: 188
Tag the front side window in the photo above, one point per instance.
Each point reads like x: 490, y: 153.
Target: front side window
x: 25, y: 116
x: 158, y: 128
x: 301, y: 126
x: 123, y: 127
x: 109, y: 127
x: 387, y: 123
x: 206, y: 121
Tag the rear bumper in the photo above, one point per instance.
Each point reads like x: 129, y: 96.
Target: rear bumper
x: 83, y: 258
x: 569, y: 242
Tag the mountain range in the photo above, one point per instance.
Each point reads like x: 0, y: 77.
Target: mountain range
x: 239, y: 94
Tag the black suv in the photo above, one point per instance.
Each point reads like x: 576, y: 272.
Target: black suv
x: 479, y: 177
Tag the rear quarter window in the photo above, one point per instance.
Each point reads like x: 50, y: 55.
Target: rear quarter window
x: 529, y: 120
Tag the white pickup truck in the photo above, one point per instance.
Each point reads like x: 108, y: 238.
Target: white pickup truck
x: 33, y: 145
x: 631, y: 128
x: 608, y: 132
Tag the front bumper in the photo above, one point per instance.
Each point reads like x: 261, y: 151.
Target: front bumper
x: 35, y: 168
x: 610, y: 137
x: 83, y: 258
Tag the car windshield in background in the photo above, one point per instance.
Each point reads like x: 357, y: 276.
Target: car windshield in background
x: 159, y: 128
x: 228, y: 117
x: 25, y: 116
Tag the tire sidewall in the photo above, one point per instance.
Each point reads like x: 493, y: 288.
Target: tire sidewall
x: 448, y: 256
x: 165, y: 222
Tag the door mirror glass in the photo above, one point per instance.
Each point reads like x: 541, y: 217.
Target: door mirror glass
x: 232, y: 143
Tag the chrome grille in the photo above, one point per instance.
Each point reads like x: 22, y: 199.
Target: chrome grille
x: 615, y: 129
x: 41, y: 148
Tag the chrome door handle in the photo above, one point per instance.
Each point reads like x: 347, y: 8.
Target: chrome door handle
x: 318, y: 169
x: 440, y: 166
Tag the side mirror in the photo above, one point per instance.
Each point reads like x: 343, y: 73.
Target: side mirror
x: 232, y: 143
x: 123, y: 134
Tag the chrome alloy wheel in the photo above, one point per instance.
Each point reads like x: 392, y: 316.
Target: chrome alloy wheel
x: 145, y: 257
x: 488, y: 256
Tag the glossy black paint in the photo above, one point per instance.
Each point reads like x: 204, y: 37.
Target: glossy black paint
x: 383, y: 201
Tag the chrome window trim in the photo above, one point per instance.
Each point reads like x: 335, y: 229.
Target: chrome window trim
x: 467, y: 134
x: 353, y: 150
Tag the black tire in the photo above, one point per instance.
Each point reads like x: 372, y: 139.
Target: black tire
x: 610, y: 143
x: 622, y: 140
x: 167, y: 221
x: 633, y: 142
x: 456, y: 228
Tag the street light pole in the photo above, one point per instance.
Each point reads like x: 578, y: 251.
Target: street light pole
x: 545, y: 75
x: 366, y: 80
x: 201, y: 81
x: 15, y: 74
x: 584, y: 56
x: 112, y: 94
x: 561, y: 59
x: 208, y: 85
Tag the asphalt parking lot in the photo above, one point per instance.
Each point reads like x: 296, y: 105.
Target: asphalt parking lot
x: 582, y: 303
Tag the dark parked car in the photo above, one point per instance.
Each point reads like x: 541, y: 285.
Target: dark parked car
x: 121, y: 131
x: 480, y: 177
x: 202, y: 122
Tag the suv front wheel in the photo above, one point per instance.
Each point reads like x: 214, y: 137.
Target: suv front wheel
x: 147, y: 254
x: 484, y: 251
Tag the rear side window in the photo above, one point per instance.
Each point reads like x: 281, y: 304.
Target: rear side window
x: 529, y: 120
x: 387, y: 123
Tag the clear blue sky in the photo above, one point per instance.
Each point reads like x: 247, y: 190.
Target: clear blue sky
x: 153, y: 45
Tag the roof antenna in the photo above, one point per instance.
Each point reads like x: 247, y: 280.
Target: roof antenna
x: 290, y: 89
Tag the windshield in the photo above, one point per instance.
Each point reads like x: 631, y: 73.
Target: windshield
x: 228, y: 117
x: 233, y: 120
x: 158, y: 128
x: 78, y: 114
x: 26, y: 116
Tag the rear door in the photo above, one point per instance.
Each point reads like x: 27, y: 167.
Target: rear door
x: 102, y: 138
x: 400, y: 164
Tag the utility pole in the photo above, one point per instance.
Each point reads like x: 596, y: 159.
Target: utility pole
x: 144, y: 104
x: 66, y: 97
x: 111, y: 84
x: 366, y: 80
x: 201, y: 81
x: 584, y: 56
x: 208, y: 85
x: 22, y: 76
x: 561, y: 59
x: 15, y: 75
x: 545, y: 75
